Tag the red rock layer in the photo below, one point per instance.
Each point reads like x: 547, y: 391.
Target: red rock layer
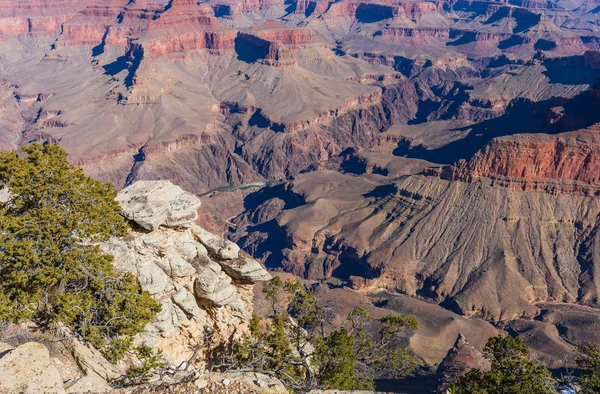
x: 568, y: 162
x: 90, y: 26
x: 232, y: 7
x: 274, y: 31
x: 47, y: 16
x: 276, y: 44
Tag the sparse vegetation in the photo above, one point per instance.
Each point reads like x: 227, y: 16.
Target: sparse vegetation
x: 298, y: 345
x: 147, y: 361
x: 51, y: 268
x: 589, y: 362
x: 511, y: 372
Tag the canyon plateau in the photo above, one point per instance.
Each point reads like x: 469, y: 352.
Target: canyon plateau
x: 433, y: 157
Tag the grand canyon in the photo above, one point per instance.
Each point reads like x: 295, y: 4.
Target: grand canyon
x: 439, y: 158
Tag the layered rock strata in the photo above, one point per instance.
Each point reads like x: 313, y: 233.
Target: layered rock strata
x: 203, y: 282
x: 447, y: 240
x: 565, y: 163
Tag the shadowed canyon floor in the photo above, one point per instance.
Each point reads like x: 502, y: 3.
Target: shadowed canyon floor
x: 440, y: 158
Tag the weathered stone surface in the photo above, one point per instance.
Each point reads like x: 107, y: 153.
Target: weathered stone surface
x: 240, y: 382
x: 462, y: 358
x: 89, y: 384
x: 90, y: 361
x: 27, y: 369
x: 245, y: 269
x: 176, y: 266
x: 221, y: 248
x: 154, y: 203
x: 215, y: 286
x: 151, y: 278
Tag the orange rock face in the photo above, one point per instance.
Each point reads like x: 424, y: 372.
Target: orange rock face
x: 37, y: 16
x: 563, y: 163
x: 568, y: 157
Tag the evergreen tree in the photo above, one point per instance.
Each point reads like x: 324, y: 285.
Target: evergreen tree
x: 51, y: 268
x: 589, y: 362
x: 346, y: 358
x: 511, y: 372
x: 335, y: 361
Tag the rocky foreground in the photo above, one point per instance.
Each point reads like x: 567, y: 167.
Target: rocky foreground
x: 203, y: 283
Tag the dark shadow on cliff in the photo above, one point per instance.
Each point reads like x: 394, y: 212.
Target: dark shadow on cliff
x: 310, y: 9
x: 250, y: 52
x: 280, y: 190
x: 555, y: 115
x: 503, y: 12
x: 525, y: 19
x: 570, y: 70
x: 511, y: 42
x: 130, y: 62
x: 271, y: 249
x: 351, y: 264
x: 371, y: 13
x: 466, y: 38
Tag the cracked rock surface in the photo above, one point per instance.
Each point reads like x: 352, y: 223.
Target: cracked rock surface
x: 202, y: 281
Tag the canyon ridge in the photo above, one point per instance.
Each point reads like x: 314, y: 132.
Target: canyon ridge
x: 438, y: 158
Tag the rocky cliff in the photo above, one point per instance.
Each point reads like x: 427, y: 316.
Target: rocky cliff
x: 160, y: 78
x: 461, y: 359
x: 563, y: 163
x: 449, y: 241
x: 202, y: 282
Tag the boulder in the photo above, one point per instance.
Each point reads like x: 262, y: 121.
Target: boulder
x: 213, y: 285
x: 154, y: 203
x: 90, y: 361
x: 151, y: 278
x: 219, y: 247
x: 28, y: 369
x: 245, y: 269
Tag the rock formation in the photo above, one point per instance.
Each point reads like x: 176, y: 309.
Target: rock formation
x: 31, y: 368
x: 179, y: 86
x: 462, y: 358
x: 153, y: 204
x: 27, y: 369
x: 203, y: 282
x: 526, y: 161
x: 325, y: 98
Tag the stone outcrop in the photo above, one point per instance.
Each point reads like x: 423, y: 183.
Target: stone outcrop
x: 461, y: 359
x: 235, y: 382
x: 28, y: 369
x: 309, y: 74
x: 152, y: 204
x: 203, y: 282
x: 276, y: 44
